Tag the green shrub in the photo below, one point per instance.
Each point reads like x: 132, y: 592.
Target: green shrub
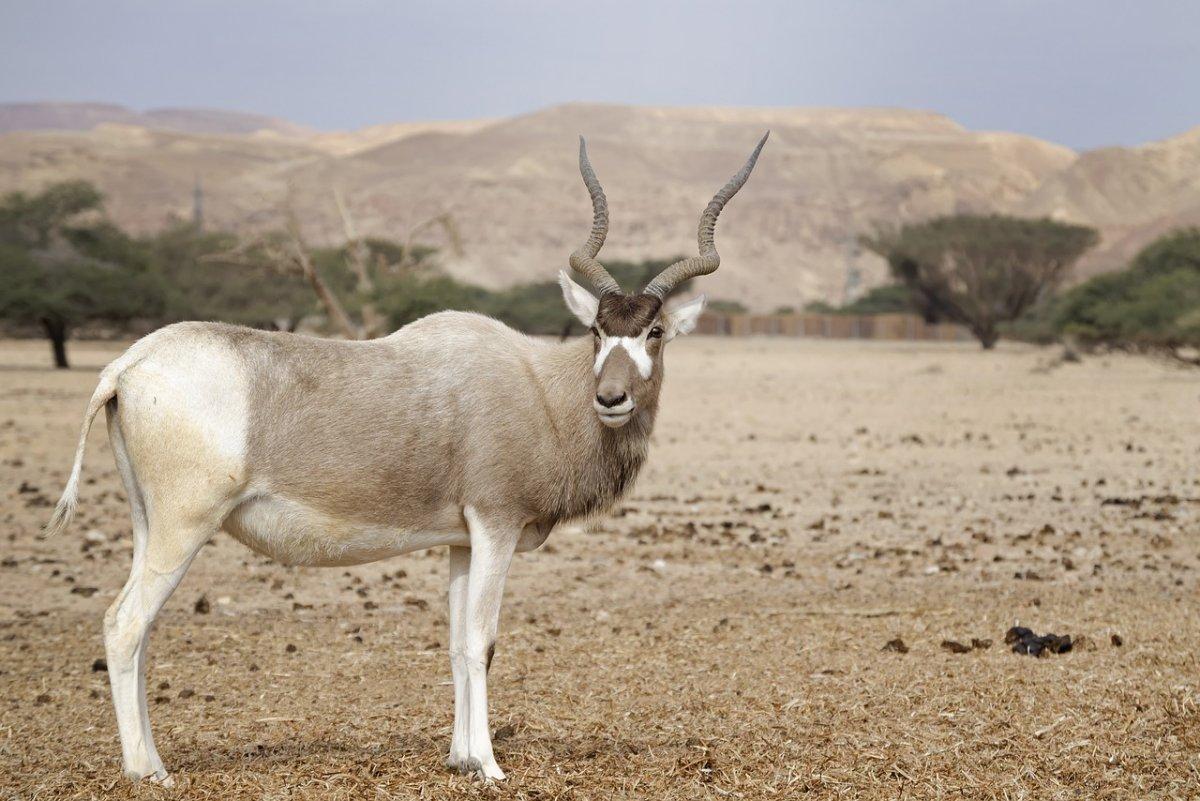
x: 885, y: 299
x: 63, y: 264
x: 981, y: 271
x: 1154, y: 304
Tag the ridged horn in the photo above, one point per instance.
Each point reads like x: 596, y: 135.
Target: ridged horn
x: 583, y: 260
x: 708, y: 260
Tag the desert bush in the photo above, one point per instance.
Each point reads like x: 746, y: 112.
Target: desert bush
x: 63, y: 264
x: 203, y: 282
x: 981, y: 271
x: 885, y: 299
x: 410, y: 296
x: 1154, y: 304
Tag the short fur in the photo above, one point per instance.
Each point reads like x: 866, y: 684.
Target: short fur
x: 455, y: 431
x: 624, y: 315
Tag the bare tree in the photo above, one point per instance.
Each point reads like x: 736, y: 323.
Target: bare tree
x: 291, y: 253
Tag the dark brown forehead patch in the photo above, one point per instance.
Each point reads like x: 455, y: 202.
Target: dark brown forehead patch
x: 623, y: 315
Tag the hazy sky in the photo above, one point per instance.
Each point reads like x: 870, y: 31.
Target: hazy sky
x: 1081, y: 73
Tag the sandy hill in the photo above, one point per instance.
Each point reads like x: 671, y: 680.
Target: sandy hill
x: 86, y: 116
x: 1131, y: 194
x: 512, y: 184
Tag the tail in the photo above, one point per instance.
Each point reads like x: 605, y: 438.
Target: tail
x: 106, y: 389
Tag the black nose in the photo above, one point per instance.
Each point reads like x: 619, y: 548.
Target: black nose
x: 609, y: 401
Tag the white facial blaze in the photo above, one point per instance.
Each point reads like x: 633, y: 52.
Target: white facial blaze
x: 634, y: 346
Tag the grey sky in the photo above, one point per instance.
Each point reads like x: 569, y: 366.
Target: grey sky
x: 1081, y: 73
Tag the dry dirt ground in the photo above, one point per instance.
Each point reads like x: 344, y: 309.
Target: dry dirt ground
x: 721, y: 635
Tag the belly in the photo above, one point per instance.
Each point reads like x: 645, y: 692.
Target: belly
x: 295, y: 534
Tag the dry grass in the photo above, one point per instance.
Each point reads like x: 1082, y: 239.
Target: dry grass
x: 844, y: 494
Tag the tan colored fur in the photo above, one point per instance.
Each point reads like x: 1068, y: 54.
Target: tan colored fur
x: 454, y: 410
x: 454, y: 431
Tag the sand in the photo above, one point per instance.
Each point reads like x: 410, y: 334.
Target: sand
x: 720, y: 635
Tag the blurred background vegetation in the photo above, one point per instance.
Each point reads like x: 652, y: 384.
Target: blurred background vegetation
x: 65, y: 266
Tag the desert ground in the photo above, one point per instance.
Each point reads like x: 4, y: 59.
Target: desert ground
x: 721, y: 635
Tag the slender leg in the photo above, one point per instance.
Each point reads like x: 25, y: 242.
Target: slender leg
x: 126, y: 635
x: 168, y: 552
x: 492, y: 547
x: 161, y: 555
x: 460, y: 564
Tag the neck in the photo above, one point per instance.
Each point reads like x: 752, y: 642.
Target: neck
x: 596, y: 464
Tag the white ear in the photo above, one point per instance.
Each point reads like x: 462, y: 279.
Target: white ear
x: 682, y: 319
x: 583, y: 304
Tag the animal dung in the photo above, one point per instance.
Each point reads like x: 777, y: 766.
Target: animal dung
x: 956, y: 647
x: 896, y: 645
x: 1024, y: 641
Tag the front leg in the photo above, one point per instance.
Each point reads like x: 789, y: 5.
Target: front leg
x: 493, y: 542
x: 460, y: 563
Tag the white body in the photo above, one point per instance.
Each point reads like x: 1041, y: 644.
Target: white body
x: 194, y: 446
x: 455, y: 431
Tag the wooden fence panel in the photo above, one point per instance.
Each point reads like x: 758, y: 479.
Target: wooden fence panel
x: 899, y: 327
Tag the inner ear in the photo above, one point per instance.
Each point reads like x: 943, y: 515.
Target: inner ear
x: 682, y: 319
x: 583, y: 304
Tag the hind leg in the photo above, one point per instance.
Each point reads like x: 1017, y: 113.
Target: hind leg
x: 162, y: 550
x: 126, y: 635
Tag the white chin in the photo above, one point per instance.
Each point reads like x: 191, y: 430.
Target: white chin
x: 616, y: 420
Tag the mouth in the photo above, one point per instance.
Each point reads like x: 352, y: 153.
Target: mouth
x: 615, y: 417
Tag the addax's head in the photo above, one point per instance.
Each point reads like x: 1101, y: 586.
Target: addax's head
x: 630, y: 331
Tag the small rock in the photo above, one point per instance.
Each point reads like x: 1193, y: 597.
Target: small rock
x: 186, y: 692
x: 202, y: 606
x: 100, y: 666
x: 1117, y: 640
x: 95, y: 535
x: 291, y: 649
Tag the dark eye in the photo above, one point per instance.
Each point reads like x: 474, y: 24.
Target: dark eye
x: 656, y: 332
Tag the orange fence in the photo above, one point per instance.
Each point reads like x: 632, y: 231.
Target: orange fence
x: 830, y: 326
